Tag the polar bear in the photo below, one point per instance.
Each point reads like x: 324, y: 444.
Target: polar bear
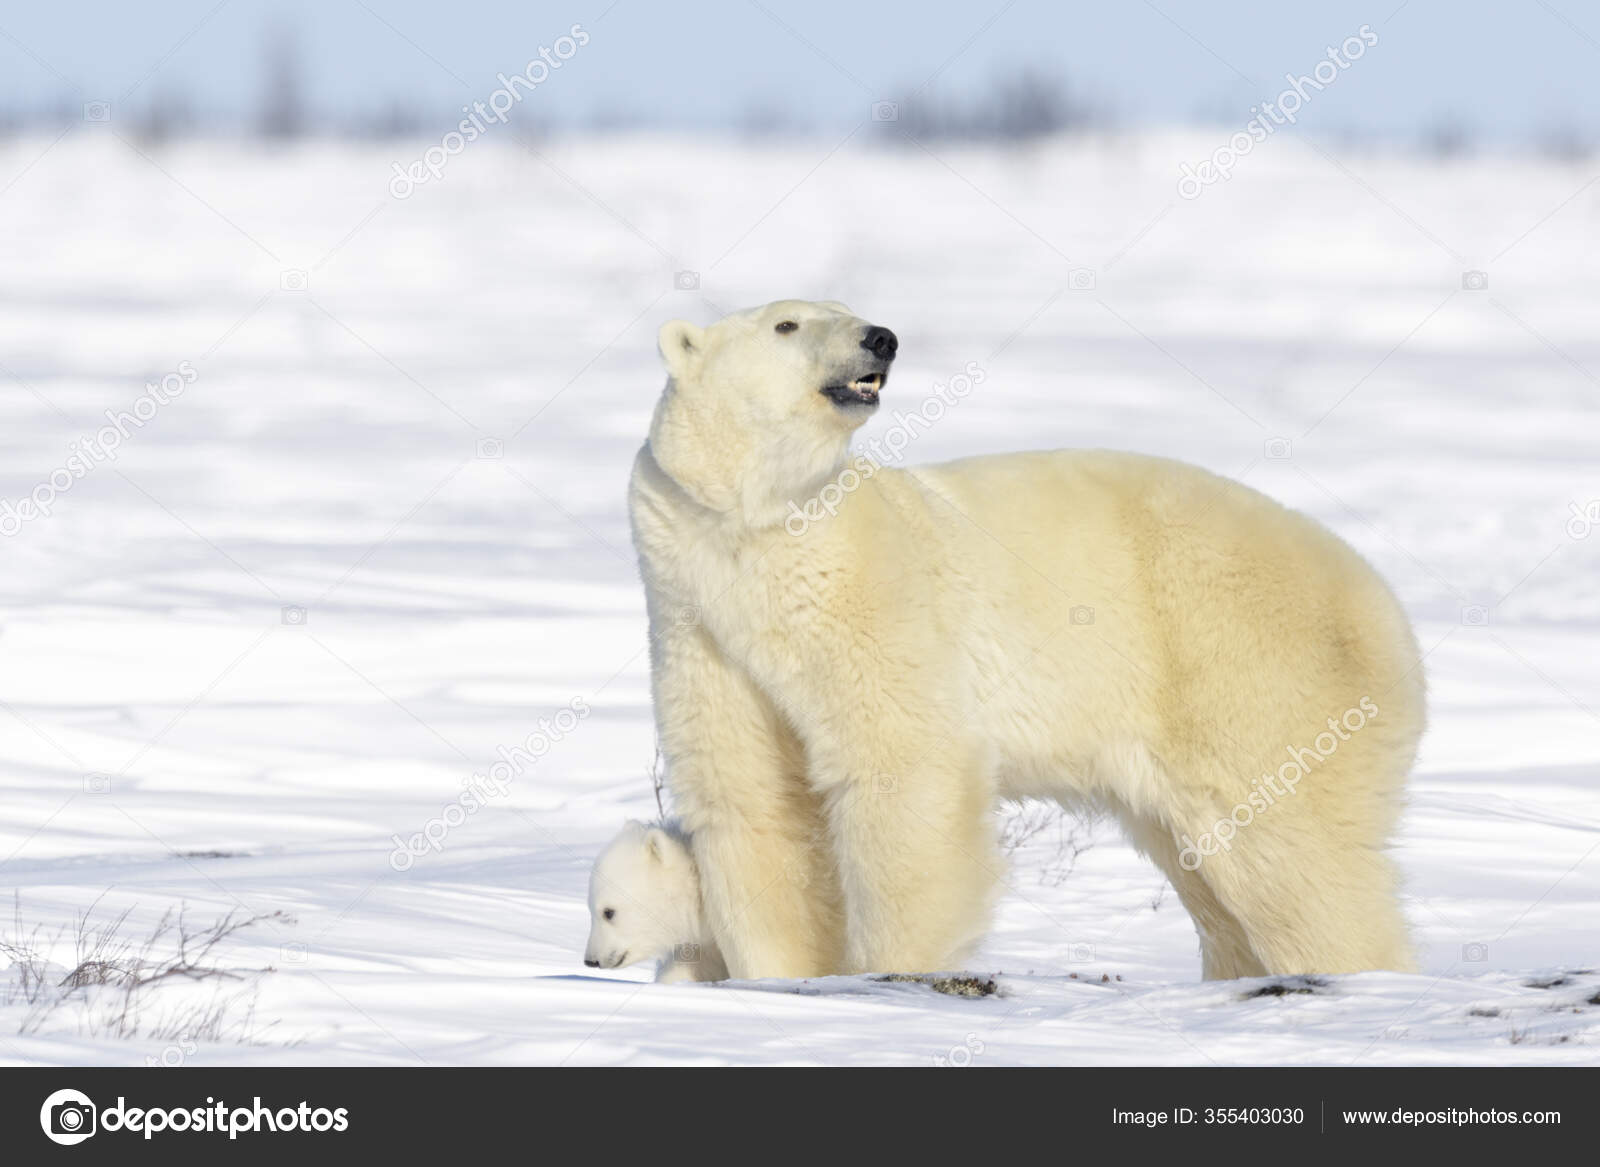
x: 841, y: 702
x: 644, y: 904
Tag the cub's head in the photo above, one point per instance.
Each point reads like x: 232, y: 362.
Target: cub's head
x: 759, y: 407
x: 644, y: 898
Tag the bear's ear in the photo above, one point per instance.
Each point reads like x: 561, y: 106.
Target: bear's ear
x: 681, y: 345
x: 837, y: 307
x: 657, y: 845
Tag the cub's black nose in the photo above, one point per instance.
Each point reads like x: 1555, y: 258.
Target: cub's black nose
x: 880, y: 342
x: 591, y: 964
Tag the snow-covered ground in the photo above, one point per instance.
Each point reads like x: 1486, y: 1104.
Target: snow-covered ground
x: 381, y: 534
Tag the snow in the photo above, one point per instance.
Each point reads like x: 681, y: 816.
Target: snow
x: 169, y: 736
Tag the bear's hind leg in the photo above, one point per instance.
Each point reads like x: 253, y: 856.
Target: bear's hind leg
x: 1313, y: 909
x: 1309, y: 877
x: 1225, y: 951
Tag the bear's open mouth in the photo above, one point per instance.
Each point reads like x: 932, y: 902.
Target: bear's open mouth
x: 861, y: 391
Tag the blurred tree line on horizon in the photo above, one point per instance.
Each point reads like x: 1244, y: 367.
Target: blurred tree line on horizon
x: 1018, y: 107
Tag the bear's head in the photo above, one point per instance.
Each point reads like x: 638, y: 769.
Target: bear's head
x: 644, y: 898
x: 759, y: 407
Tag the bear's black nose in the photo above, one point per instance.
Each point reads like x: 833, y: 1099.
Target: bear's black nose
x: 880, y: 342
x: 592, y: 963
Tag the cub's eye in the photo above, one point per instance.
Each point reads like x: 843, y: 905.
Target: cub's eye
x: 786, y: 326
x: 609, y: 913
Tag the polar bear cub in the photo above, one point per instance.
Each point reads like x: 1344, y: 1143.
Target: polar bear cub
x: 644, y: 904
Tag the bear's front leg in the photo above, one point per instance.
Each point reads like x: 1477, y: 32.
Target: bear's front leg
x: 767, y: 887
x: 913, y: 834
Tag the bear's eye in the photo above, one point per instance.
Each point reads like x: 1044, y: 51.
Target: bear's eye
x: 786, y: 326
x: 609, y: 912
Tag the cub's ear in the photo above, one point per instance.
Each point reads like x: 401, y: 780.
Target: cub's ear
x: 682, y: 345
x: 657, y: 844
x: 837, y: 307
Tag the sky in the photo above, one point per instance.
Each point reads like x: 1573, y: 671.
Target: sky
x: 1499, y: 71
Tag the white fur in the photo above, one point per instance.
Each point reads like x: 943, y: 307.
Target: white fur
x: 646, y: 880
x: 840, y: 710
